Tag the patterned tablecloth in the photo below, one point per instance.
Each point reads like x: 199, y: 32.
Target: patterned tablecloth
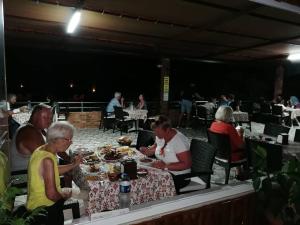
x: 241, y: 117
x: 103, y: 195
x: 22, y: 117
x: 137, y: 114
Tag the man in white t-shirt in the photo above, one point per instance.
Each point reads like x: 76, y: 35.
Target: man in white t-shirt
x: 172, y: 149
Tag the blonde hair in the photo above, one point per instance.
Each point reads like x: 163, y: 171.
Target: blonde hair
x: 224, y: 113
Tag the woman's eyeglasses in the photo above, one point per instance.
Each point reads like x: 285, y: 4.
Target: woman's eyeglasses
x: 67, y: 139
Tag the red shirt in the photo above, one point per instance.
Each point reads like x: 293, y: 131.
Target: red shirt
x: 235, y: 140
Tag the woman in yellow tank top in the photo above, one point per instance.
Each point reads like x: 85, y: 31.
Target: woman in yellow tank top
x: 43, y: 173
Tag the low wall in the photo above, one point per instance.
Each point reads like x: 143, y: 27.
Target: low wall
x: 85, y: 119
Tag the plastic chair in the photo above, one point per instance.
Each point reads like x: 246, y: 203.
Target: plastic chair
x: 203, y: 155
x: 223, y: 156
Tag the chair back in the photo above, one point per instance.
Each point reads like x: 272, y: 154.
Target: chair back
x: 119, y: 113
x: 203, y: 155
x: 145, y: 138
x: 297, y: 135
x: 277, y: 110
x: 222, y: 143
x: 274, y: 130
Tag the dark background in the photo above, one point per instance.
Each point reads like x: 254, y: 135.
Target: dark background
x: 50, y: 72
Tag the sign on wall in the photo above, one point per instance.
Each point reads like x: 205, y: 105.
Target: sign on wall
x: 166, y: 88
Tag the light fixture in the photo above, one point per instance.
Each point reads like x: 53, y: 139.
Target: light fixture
x: 284, y: 5
x: 294, y: 57
x: 74, y: 21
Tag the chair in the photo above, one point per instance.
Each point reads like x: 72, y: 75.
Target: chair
x: 122, y: 121
x: 203, y: 116
x: 277, y: 113
x: 107, y: 121
x: 145, y: 138
x: 297, y: 135
x: 203, y: 155
x: 71, y: 203
x: 223, y: 156
x: 274, y: 130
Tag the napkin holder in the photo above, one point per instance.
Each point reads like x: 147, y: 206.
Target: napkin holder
x: 130, y: 167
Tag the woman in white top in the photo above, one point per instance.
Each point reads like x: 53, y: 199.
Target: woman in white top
x: 172, y: 149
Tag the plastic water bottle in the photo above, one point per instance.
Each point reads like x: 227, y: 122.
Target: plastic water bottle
x: 124, y: 195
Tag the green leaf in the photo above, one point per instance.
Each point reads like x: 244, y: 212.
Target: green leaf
x: 261, y: 152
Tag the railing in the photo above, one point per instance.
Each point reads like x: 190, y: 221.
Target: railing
x: 65, y: 107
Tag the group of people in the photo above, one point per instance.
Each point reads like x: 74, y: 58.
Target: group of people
x: 36, y: 147
x: 118, y: 101
x: 172, y: 148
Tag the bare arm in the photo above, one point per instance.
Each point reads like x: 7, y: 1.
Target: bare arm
x: 49, y: 180
x: 185, y: 162
x: 148, y: 151
x: 66, y: 168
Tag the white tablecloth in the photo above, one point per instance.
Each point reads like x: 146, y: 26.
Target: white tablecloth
x: 240, y: 117
x: 22, y: 117
x: 137, y: 114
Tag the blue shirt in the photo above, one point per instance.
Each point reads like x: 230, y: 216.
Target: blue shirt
x: 111, y: 104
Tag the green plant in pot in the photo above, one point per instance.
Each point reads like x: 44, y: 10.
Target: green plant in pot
x: 21, y: 216
x: 278, y: 193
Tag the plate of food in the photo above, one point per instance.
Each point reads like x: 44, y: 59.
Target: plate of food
x: 124, y: 140
x: 141, y: 172
x: 91, y: 159
x: 112, y: 156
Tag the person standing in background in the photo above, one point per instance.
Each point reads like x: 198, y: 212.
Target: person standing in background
x: 188, y: 94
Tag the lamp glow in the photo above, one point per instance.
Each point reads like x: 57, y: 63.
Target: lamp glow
x: 74, y: 21
x: 294, y: 57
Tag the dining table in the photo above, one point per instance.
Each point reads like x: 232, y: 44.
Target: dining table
x: 103, y: 193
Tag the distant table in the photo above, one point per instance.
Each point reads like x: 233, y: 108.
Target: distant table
x: 294, y: 113
x: 240, y: 116
x: 22, y: 117
x: 137, y: 114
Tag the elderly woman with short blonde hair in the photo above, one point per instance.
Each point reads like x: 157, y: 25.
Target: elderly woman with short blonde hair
x: 222, y: 125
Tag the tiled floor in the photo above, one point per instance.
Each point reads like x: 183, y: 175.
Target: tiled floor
x: 92, y: 138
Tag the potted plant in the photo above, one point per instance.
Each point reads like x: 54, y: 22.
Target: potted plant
x: 21, y: 216
x: 278, y: 194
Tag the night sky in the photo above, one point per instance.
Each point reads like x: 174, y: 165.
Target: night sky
x: 50, y: 72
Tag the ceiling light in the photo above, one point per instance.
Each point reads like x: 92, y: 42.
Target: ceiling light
x: 294, y: 57
x: 280, y: 5
x: 74, y: 21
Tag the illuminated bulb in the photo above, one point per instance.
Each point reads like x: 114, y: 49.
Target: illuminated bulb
x: 74, y: 21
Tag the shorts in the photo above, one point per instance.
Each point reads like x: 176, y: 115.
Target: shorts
x: 186, y: 106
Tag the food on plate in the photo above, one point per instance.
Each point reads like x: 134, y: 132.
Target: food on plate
x: 113, y: 176
x: 94, y: 168
x: 112, y: 155
x: 124, y: 140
